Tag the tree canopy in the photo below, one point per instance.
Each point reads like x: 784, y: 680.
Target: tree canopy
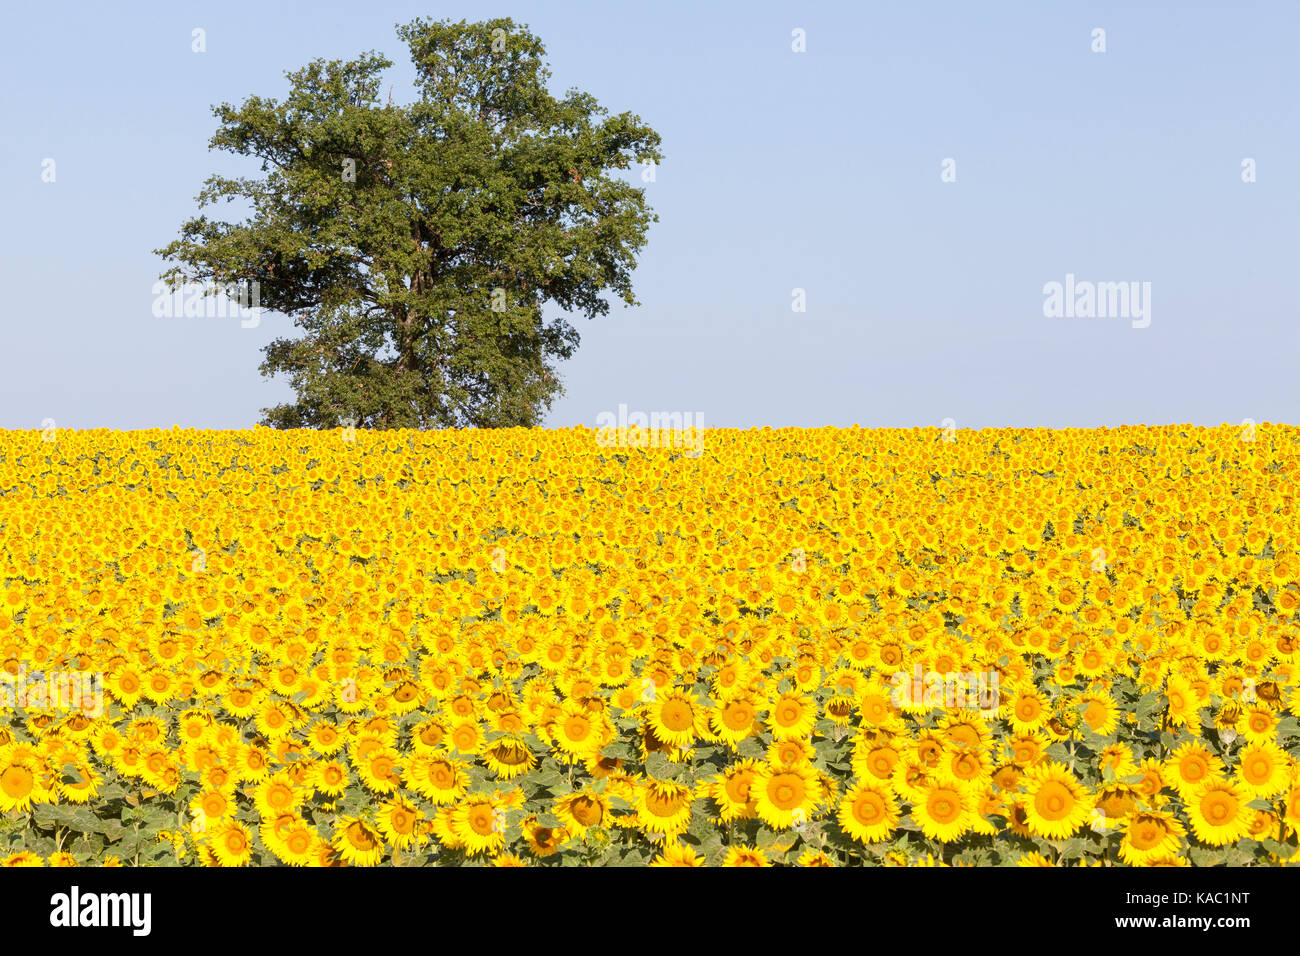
x: 416, y: 245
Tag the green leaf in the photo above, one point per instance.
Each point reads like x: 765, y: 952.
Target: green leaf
x: 658, y: 766
x: 619, y: 750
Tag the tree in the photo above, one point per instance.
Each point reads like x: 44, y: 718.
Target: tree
x: 416, y: 245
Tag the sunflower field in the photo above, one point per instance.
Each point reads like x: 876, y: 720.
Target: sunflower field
x: 528, y: 648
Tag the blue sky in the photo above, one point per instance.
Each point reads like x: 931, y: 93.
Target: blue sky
x: 818, y: 170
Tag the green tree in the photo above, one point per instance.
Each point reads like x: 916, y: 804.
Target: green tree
x: 416, y: 245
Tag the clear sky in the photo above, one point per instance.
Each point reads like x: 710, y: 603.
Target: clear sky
x: 820, y: 170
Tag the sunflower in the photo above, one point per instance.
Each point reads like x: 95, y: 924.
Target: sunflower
x: 210, y: 805
x: 1029, y: 712
x: 734, y: 719
x: 575, y: 731
x: 790, y: 753
x: 18, y: 783
x: 479, y: 823
x: 1152, y: 771
x: 1056, y: 804
x: 580, y: 810
x: 780, y: 791
x: 329, y: 778
x: 399, y: 822
x: 1118, y: 758
x: 1218, y: 812
x: 816, y: 858
x: 987, y: 803
x: 868, y: 812
x: 732, y: 792
x: 1192, y: 765
x: 229, y: 843
x: 745, y: 856
x: 542, y: 840
x: 508, y: 758
x: 438, y: 777
x: 1183, y: 702
x: 275, y: 795
x: 911, y: 778
x: 966, y: 767
x: 85, y: 785
x: 876, y: 760
x: 300, y: 846
x: 1099, y: 713
x: 429, y: 736
x: 254, y: 764
x: 877, y: 710
x: 1258, y: 725
x: 324, y: 738
x: 357, y: 842
x: 677, y: 854
x: 1149, y: 834
x: 1069, y: 595
x: 1117, y: 800
x: 466, y: 737
x: 792, y: 716
x: 1263, y: 769
x: 1291, y: 809
x: 380, y: 771
x: 944, y: 812
x: 1027, y: 749
x: 664, y: 807
x: 674, y: 716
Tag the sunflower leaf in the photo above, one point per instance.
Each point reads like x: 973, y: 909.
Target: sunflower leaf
x: 658, y: 766
x: 619, y: 750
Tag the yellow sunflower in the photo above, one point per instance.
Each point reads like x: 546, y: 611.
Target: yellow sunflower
x: 1219, y: 813
x: 358, y: 842
x: 1056, y: 803
x: 780, y: 791
x: 869, y: 812
x: 944, y: 812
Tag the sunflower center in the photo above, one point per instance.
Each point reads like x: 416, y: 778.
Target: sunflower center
x: 786, y: 791
x: 1219, y: 808
x: 869, y: 809
x: 481, y: 820
x: 737, y: 716
x: 1258, y: 770
x: 944, y: 806
x: 587, y: 811
x: 677, y: 716
x: 788, y: 713
x: 1054, y: 801
x: 17, y: 781
x: 360, y: 837
x: 1147, y: 835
